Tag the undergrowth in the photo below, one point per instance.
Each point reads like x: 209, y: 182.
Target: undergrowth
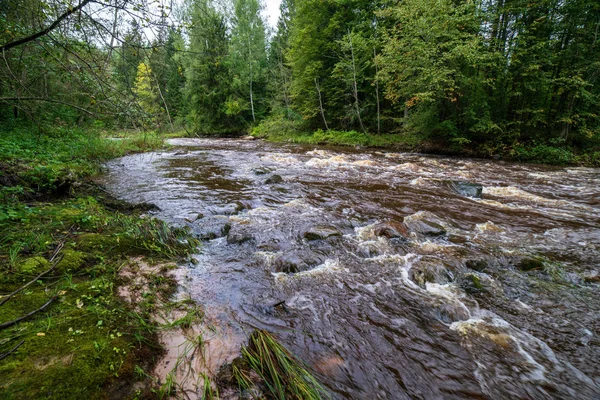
x: 61, y: 251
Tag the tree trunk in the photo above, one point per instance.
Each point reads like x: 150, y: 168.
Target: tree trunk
x: 321, y: 104
x: 355, y: 86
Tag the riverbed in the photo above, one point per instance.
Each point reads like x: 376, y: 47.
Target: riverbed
x: 393, y: 275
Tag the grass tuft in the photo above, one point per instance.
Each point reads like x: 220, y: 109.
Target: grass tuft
x: 284, y: 375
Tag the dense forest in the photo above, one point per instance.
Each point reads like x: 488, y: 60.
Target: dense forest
x: 494, y: 75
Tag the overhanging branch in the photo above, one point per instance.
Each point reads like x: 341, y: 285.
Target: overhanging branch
x: 45, y: 31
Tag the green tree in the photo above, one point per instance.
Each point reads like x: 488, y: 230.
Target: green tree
x: 247, y: 60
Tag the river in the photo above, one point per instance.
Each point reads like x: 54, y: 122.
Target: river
x: 387, y: 273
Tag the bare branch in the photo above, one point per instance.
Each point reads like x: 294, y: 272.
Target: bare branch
x: 70, y: 10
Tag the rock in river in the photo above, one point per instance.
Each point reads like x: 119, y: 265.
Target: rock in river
x: 425, y: 223
x: 274, y: 179
x: 467, y: 189
x: 391, y: 230
x: 321, y: 232
x: 213, y: 227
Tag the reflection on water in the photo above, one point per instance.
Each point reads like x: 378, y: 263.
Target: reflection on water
x: 382, y: 273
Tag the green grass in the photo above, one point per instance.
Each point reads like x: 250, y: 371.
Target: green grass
x: 88, y: 338
x: 284, y: 376
x: 279, y: 129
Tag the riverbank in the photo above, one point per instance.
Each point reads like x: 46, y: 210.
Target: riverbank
x: 90, y: 301
x: 65, y: 332
x: 555, y: 152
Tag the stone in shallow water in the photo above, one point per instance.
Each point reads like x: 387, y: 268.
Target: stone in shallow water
x: 227, y: 209
x: 391, y: 230
x: 591, y: 276
x: 239, y: 234
x: 274, y: 179
x: 321, y: 232
x: 530, y: 264
x: 467, y: 189
x: 430, y: 272
x: 425, y: 223
x: 212, y: 227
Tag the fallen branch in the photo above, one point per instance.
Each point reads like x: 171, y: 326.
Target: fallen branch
x: 8, y: 353
x: 16, y: 321
x: 11, y: 295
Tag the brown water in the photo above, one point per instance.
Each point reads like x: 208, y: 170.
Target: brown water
x: 439, y: 314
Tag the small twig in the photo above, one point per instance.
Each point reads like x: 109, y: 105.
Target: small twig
x: 8, y: 353
x: 16, y: 321
x: 9, y: 296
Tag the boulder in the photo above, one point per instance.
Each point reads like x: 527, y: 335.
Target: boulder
x: 391, y: 230
x: 212, y: 227
x: 274, y: 179
x: 425, y: 223
x: 430, y: 272
x: 321, y: 232
x: 467, y: 189
x: 239, y: 234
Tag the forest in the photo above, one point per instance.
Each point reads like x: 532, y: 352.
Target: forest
x: 493, y: 77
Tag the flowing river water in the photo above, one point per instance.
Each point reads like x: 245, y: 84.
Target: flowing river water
x: 383, y: 271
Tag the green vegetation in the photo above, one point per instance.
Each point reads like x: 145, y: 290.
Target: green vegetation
x: 284, y: 376
x: 509, y: 78
x: 61, y: 253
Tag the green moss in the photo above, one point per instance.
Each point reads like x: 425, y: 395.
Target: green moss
x: 92, y: 242
x: 33, y: 265
x: 71, y: 261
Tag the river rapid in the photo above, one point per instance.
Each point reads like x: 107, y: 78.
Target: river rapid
x: 385, y: 272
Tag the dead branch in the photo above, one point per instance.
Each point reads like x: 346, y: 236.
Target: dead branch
x: 9, y: 99
x: 8, y: 353
x: 24, y: 317
x: 11, y: 295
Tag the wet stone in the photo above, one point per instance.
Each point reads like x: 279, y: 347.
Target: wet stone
x: 478, y: 283
x: 430, y: 272
x: 239, y: 234
x: 530, y: 264
x: 213, y: 227
x: 227, y: 209
x: 457, y: 239
x: 391, y: 230
x: 321, y: 232
x: 591, y: 276
x: 274, y: 179
x: 289, y: 264
x: 476, y: 265
x: 467, y: 189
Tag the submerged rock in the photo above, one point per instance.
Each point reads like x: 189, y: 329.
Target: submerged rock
x: 321, y: 232
x: 430, y: 272
x: 425, y: 223
x: 391, y: 230
x: 239, y: 234
x: 479, y: 283
x: 591, y: 276
x: 530, y: 264
x: 227, y: 209
x: 467, y: 189
x: 213, y: 227
x: 476, y: 265
x: 274, y: 179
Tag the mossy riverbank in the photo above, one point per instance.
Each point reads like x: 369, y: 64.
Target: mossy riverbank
x: 65, y: 332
